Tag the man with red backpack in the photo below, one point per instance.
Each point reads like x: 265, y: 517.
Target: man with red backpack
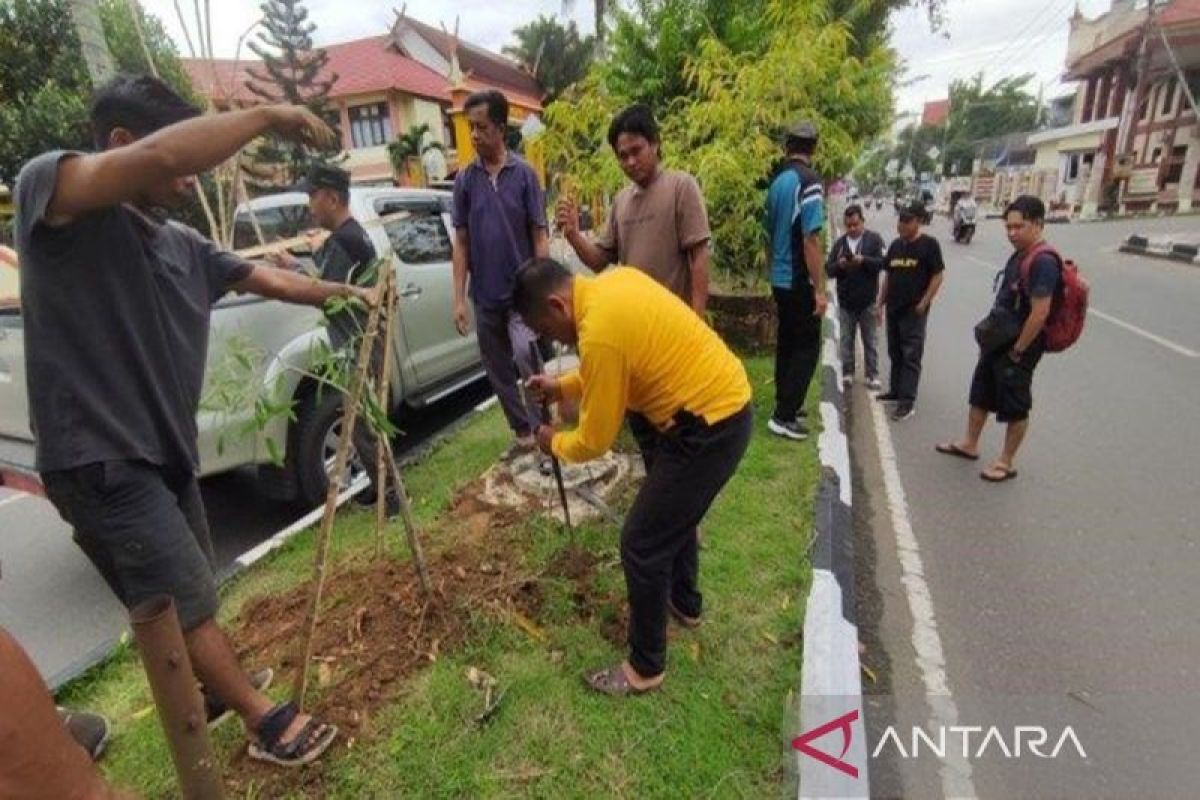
x: 1039, y: 308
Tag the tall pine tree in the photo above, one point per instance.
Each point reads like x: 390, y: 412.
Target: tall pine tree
x: 292, y: 71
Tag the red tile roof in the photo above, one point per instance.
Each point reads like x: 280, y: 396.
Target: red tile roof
x: 935, y: 113
x: 373, y: 65
x: 362, y: 66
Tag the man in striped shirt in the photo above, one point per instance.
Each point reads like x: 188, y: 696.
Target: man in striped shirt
x: 794, y: 221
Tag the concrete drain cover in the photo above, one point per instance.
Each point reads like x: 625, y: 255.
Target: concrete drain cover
x: 519, y: 484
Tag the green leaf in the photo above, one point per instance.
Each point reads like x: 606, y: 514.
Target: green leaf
x: 274, y: 453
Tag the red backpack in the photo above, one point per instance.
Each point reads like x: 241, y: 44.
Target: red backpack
x: 1068, y: 309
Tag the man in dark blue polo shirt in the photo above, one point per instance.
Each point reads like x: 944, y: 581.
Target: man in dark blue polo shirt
x: 500, y: 223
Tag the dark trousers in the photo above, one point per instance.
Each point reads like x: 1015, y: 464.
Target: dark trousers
x: 906, y: 348
x: 686, y: 467
x: 852, y: 322
x: 798, y: 350
x: 504, y: 346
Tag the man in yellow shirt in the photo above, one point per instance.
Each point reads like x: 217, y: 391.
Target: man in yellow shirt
x: 643, y: 349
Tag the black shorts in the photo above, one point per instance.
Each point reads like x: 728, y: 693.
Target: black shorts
x: 144, y: 529
x: 1003, y: 386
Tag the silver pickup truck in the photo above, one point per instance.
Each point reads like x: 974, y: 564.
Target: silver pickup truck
x: 412, y: 228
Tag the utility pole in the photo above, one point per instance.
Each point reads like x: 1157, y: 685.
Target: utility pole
x: 1139, y: 95
x: 86, y: 14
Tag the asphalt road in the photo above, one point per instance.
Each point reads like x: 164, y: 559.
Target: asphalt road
x: 54, y: 602
x: 1068, y: 596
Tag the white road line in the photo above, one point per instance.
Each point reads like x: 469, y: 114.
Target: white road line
x: 1120, y: 323
x: 14, y: 497
x: 955, y: 770
x: 1167, y: 343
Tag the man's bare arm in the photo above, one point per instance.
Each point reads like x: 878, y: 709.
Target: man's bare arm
x: 121, y: 174
x: 700, y: 259
x: 293, y: 287
x: 814, y: 260
x: 460, y: 258
x: 1039, y: 311
x: 541, y: 242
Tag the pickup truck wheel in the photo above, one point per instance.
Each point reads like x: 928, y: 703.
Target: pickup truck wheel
x: 318, y: 428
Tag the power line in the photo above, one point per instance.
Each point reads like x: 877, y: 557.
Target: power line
x: 1018, y: 40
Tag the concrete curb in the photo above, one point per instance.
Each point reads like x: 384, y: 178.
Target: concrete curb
x: 831, y: 676
x: 1183, y: 253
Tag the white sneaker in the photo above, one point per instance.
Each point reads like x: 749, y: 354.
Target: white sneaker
x: 874, y: 385
x: 847, y: 381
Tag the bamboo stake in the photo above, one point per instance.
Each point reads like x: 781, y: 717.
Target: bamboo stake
x: 349, y: 416
x: 410, y: 526
x: 384, y: 385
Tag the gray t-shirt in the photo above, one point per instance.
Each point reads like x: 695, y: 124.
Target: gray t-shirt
x: 655, y: 228
x: 116, y: 310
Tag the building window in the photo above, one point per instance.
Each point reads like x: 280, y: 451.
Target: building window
x: 1156, y: 156
x: 1169, y: 98
x: 370, y: 125
x: 1175, y: 165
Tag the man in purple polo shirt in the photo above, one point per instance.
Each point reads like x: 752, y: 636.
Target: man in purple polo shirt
x: 500, y: 223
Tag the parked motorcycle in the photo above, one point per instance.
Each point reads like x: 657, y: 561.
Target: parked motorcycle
x: 964, y: 224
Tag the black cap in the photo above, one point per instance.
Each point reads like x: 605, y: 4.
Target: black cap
x: 913, y: 210
x: 325, y: 177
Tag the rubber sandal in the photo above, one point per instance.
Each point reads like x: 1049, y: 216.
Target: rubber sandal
x: 612, y: 682
x: 953, y: 449
x: 308, y: 745
x: 215, y: 710
x: 1008, y: 475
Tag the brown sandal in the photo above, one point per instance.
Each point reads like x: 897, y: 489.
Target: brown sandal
x: 1005, y: 474
x: 614, y: 683
x: 952, y: 449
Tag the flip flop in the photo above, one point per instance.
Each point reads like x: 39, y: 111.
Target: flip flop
x: 1008, y: 475
x: 953, y: 449
x: 612, y: 682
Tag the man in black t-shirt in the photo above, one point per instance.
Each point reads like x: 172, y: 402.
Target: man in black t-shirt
x: 346, y: 252
x: 913, y: 272
x: 1003, y: 379
x: 342, y: 258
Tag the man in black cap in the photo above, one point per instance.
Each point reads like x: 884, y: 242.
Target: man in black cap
x: 795, y: 257
x: 346, y: 252
x: 913, y: 272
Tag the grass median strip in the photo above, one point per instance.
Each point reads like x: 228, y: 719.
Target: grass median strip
x: 480, y: 694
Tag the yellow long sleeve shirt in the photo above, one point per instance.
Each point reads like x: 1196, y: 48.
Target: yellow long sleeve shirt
x: 643, y: 349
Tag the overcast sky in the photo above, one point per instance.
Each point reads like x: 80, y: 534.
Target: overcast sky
x: 484, y: 22
x: 1001, y: 37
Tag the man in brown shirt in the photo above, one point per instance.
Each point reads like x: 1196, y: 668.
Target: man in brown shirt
x: 658, y: 223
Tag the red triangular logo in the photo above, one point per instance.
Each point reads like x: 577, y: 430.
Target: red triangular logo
x: 843, y: 722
